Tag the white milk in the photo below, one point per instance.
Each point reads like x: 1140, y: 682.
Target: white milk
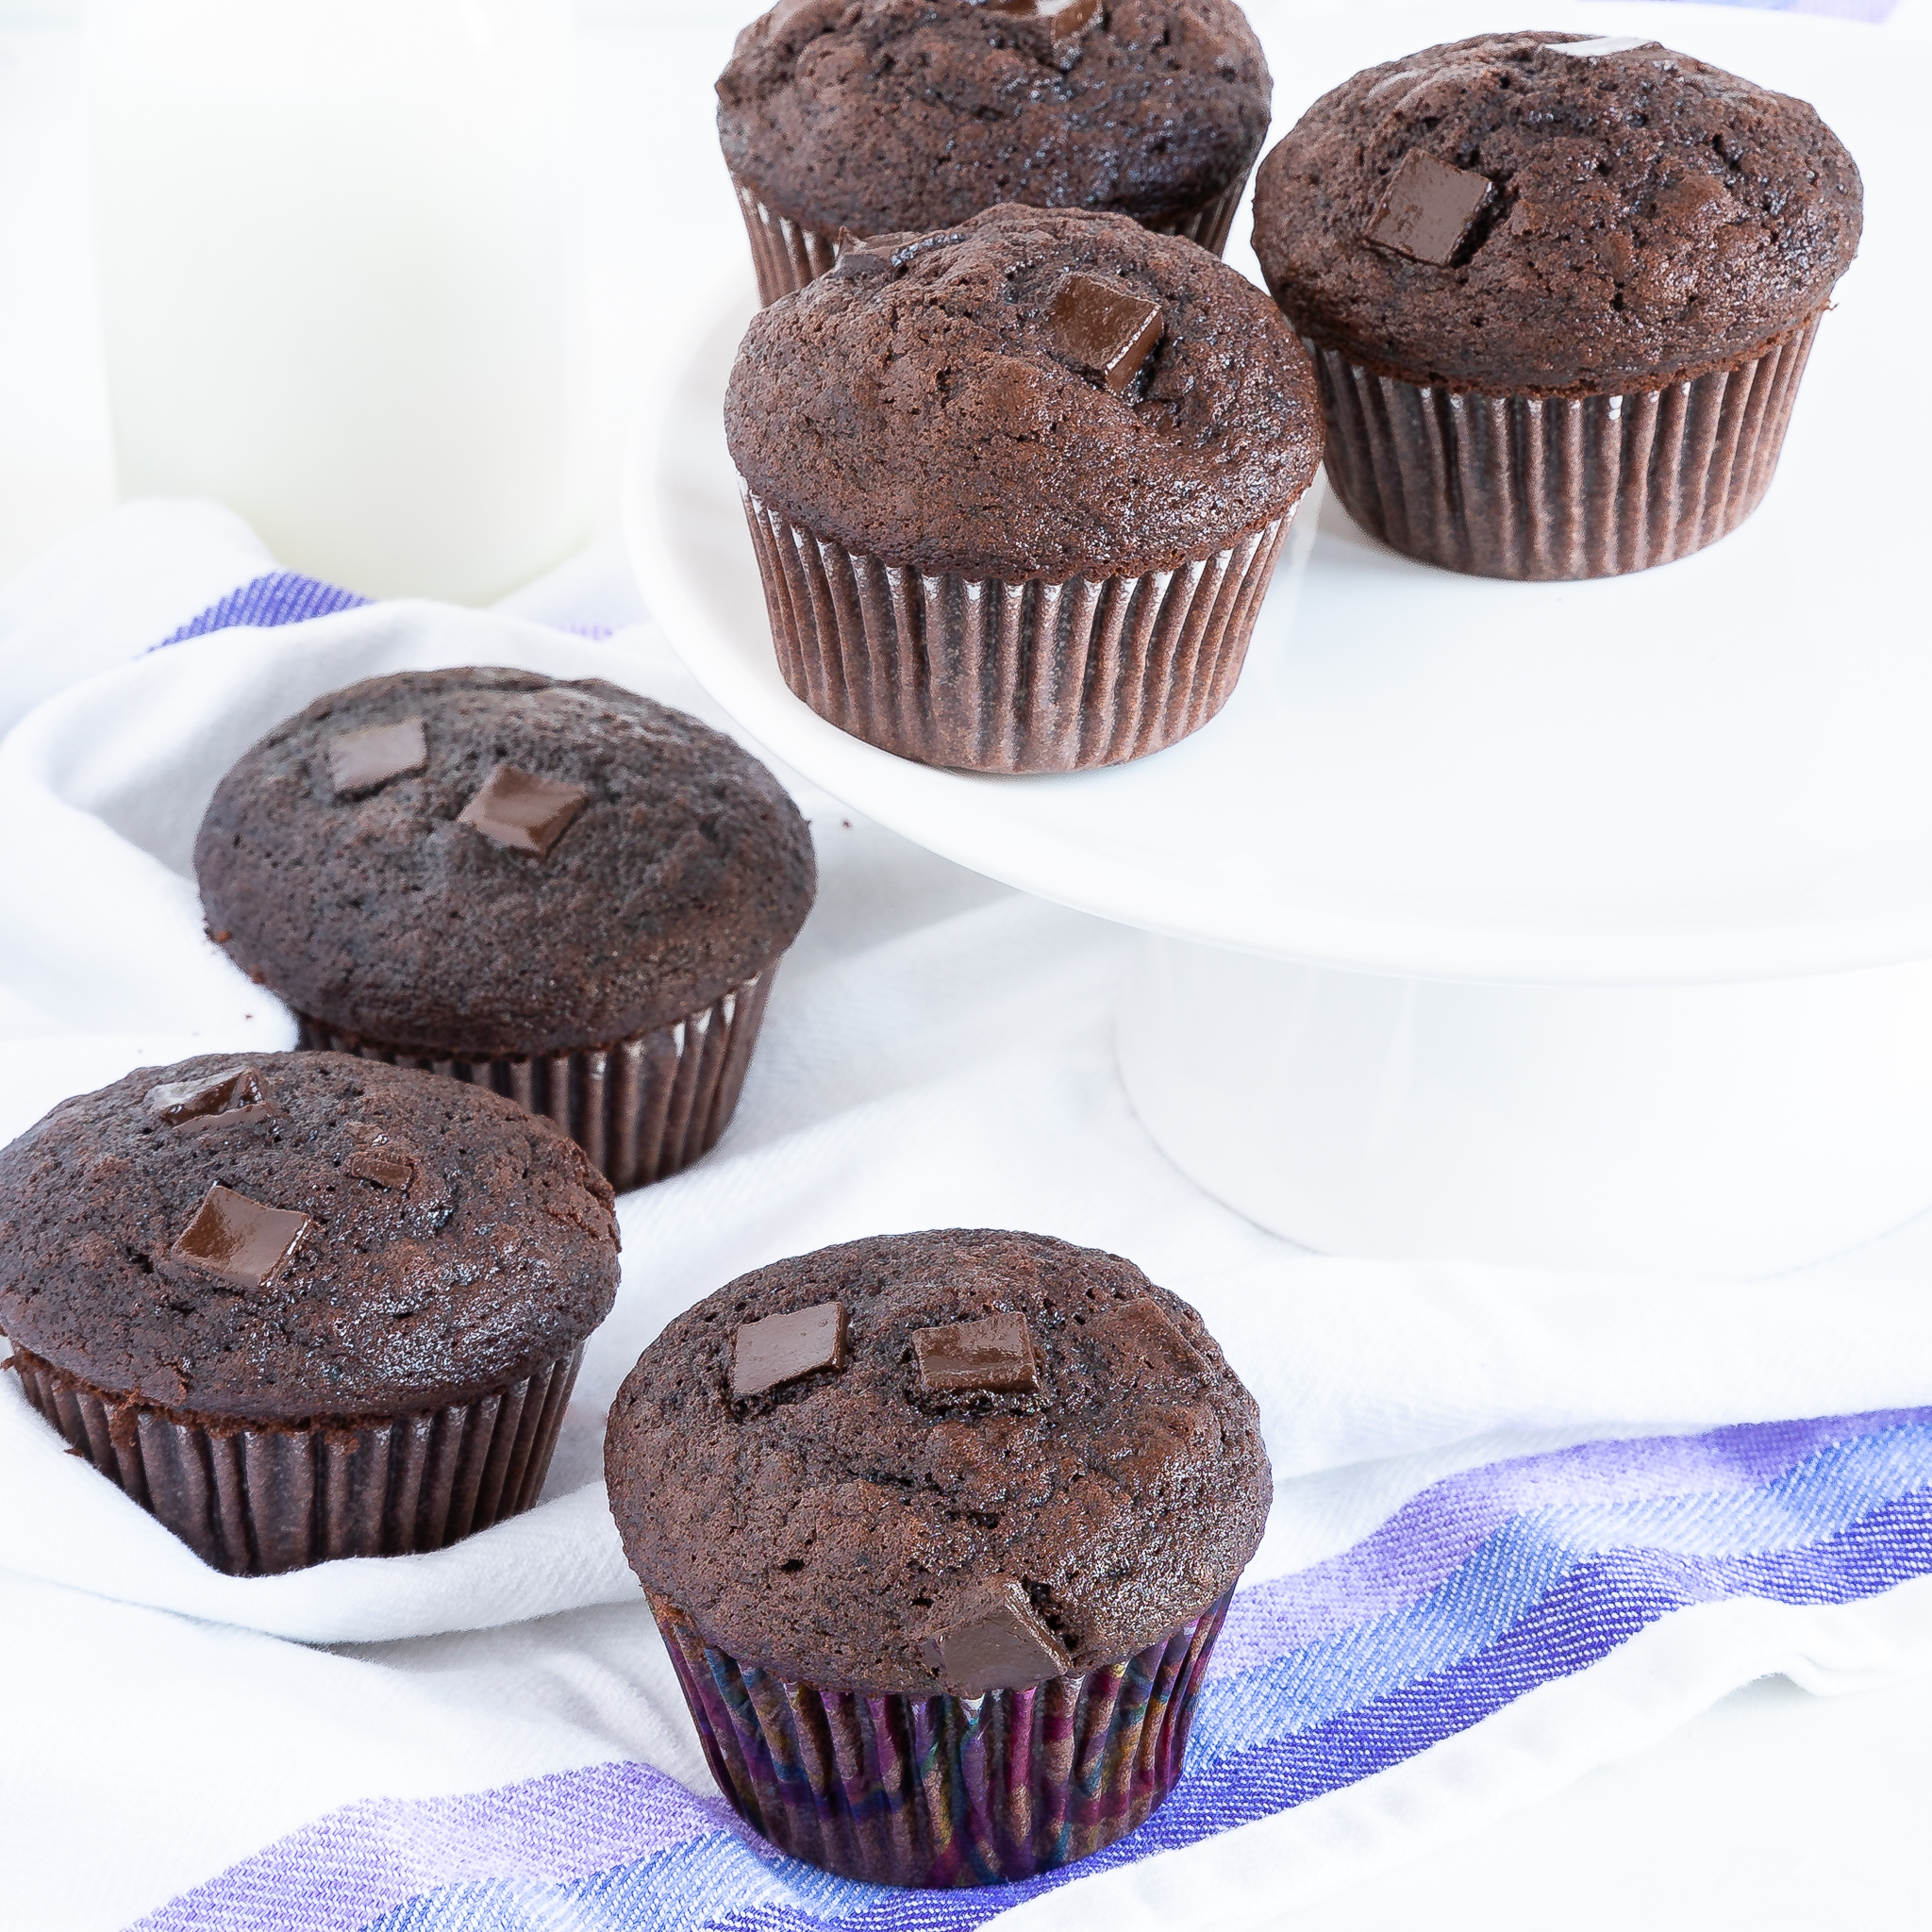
x: 333, y: 280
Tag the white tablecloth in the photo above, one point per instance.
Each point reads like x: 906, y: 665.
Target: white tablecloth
x: 939, y: 1051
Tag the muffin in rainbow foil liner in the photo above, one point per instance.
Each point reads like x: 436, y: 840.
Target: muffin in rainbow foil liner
x: 880, y: 117
x: 939, y: 1530
x: 299, y: 1306
x: 948, y: 1790
x: 558, y: 890
x: 1561, y: 290
x: 1017, y: 489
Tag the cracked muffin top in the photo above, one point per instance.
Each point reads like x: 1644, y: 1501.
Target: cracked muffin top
x: 879, y: 115
x: 296, y: 1237
x: 936, y: 400
x: 1501, y: 213
x: 939, y: 1462
x: 483, y: 861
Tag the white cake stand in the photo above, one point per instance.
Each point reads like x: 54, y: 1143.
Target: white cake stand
x: 1571, y: 924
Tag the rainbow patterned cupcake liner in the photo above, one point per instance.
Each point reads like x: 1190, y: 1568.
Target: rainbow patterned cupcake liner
x: 1558, y: 488
x: 257, y: 1499
x: 945, y: 1790
x: 986, y: 675
x: 788, y: 255
x: 641, y: 1108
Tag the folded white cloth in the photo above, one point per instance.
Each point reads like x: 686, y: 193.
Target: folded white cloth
x: 1523, y: 1522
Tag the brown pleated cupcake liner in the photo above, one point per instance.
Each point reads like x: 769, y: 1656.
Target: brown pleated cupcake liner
x: 1558, y: 486
x: 786, y: 255
x: 945, y: 1790
x: 1206, y: 225
x: 985, y: 675
x: 641, y: 1108
x: 255, y: 1499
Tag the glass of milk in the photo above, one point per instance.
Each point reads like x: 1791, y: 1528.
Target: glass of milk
x: 332, y: 271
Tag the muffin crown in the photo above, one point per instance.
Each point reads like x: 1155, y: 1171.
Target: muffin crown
x: 942, y: 1461
x: 1499, y: 214
x: 295, y: 1236
x: 936, y: 401
x: 474, y: 862
x: 879, y: 115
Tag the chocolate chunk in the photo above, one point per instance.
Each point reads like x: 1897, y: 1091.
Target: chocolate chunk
x: 1139, y: 1342
x: 230, y: 1117
x: 521, y: 811
x: 361, y: 761
x: 994, y: 1354
x: 999, y: 1645
x: 1066, y: 17
x: 857, y: 257
x: 1610, y: 44
x: 387, y: 1169
x: 186, y: 1100
x: 781, y: 1348
x: 1104, y: 328
x: 1427, y: 209
x: 240, y: 1239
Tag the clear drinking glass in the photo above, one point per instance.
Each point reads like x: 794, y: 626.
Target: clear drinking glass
x: 333, y: 277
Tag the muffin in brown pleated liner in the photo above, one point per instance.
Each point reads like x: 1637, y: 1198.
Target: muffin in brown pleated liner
x: 255, y: 1499
x: 641, y: 1108
x: 1558, y: 486
x: 945, y: 1790
x: 986, y: 675
x: 788, y: 255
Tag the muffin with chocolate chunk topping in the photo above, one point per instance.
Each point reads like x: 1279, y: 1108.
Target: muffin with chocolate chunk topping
x: 561, y: 890
x: 1559, y: 290
x: 879, y: 116
x: 300, y: 1306
x: 905, y: 1502
x: 1017, y: 488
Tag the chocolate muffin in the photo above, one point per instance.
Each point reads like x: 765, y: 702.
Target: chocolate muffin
x: 301, y: 1306
x: 1560, y: 291
x: 881, y: 116
x: 560, y: 891
x: 903, y: 1504
x: 1017, y: 488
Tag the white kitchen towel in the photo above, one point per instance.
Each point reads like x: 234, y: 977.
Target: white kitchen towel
x: 1524, y: 1522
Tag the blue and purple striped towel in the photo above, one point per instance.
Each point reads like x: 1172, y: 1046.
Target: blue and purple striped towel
x: 1482, y: 1590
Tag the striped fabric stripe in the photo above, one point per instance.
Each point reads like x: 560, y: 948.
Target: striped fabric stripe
x: 282, y: 596
x: 279, y: 597
x: 1478, y: 1591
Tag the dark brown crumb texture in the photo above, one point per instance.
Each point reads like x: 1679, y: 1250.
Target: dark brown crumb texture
x: 685, y: 870
x: 457, y: 1242
x: 888, y: 114
x: 929, y: 416
x: 1652, y: 216
x: 830, y: 1527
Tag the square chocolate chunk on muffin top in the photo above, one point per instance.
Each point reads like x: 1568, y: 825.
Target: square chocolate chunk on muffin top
x: 376, y: 1280
x: 926, y: 1500
x: 555, y: 888
x: 837, y: 1463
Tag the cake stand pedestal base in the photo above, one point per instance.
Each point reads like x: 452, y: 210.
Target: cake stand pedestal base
x: 1724, y: 1131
